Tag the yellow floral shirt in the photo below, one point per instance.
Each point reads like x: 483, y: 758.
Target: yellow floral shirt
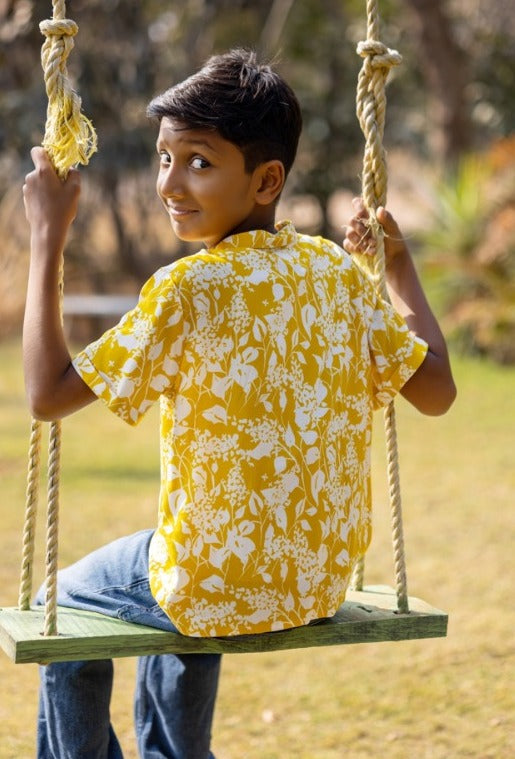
x: 268, y: 353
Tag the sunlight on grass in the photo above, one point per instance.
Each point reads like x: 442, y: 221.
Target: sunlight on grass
x: 440, y: 699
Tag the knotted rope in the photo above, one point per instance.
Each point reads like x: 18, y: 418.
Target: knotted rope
x: 69, y: 139
x: 69, y: 136
x: 371, y: 110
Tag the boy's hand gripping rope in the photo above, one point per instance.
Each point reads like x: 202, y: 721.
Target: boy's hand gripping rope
x: 69, y: 139
x: 371, y: 110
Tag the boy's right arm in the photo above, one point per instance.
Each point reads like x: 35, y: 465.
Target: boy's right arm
x: 431, y: 388
x: 53, y: 387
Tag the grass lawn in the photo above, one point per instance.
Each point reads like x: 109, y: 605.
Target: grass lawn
x: 438, y: 699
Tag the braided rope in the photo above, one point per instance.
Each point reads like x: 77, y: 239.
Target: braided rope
x: 69, y: 139
x: 371, y: 111
x: 53, y: 475
x: 31, y: 507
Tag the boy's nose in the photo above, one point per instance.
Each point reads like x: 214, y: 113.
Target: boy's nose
x: 171, y: 183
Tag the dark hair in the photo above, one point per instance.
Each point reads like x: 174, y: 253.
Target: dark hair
x: 246, y: 102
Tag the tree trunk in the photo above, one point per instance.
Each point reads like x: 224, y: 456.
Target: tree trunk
x: 444, y: 68
x: 274, y: 25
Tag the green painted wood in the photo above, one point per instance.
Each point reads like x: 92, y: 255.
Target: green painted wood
x: 365, y: 617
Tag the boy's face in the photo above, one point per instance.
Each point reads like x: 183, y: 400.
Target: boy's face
x: 204, y: 187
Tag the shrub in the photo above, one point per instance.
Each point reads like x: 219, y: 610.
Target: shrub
x: 471, y: 248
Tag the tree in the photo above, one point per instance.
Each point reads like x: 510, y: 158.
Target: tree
x: 444, y: 66
x: 120, y: 66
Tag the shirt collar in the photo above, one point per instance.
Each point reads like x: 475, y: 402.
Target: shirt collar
x: 284, y: 236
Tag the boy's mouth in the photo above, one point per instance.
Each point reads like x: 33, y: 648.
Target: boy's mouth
x: 180, y: 212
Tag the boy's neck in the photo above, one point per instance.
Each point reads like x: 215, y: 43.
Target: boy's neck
x: 263, y: 219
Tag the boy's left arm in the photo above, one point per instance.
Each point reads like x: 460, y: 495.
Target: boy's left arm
x: 431, y: 389
x: 53, y: 387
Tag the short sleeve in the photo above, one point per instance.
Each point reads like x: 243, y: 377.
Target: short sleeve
x: 395, y: 352
x: 135, y: 362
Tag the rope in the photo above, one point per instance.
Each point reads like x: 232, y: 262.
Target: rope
x: 371, y: 110
x: 31, y: 507
x: 69, y: 136
x: 69, y: 139
x: 54, y: 467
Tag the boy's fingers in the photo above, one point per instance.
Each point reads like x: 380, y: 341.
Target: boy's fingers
x: 388, y: 223
x: 360, y: 229
x: 359, y: 241
x: 383, y: 217
x: 39, y: 156
x: 41, y: 159
x: 359, y: 208
x: 358, y: 235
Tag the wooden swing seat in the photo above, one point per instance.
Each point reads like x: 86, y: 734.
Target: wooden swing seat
x: 367, y: 616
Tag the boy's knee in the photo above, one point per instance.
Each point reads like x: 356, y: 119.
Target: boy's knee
x: 63, y: 589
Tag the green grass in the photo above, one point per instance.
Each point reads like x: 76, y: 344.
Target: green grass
x: 437, y: 699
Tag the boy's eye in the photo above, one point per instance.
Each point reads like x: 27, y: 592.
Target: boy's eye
x: 164, y: 157
x: 199, y: 163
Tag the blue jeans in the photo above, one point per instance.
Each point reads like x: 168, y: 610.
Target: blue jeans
x: 175, y: 694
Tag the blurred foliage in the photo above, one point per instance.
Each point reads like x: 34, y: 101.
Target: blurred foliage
x: 471, y: 251
x: 129, y: 50
x: 460, y: 208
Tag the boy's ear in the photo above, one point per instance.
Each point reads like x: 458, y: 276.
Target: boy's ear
x: 271, y: 176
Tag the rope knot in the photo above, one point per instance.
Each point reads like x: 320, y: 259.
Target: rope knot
x: 69, y: 136
x: 377, y: 55
x: 63, y: 27
x: 371, y: 108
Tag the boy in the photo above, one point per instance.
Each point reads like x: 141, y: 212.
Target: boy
x: 268, y: 351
